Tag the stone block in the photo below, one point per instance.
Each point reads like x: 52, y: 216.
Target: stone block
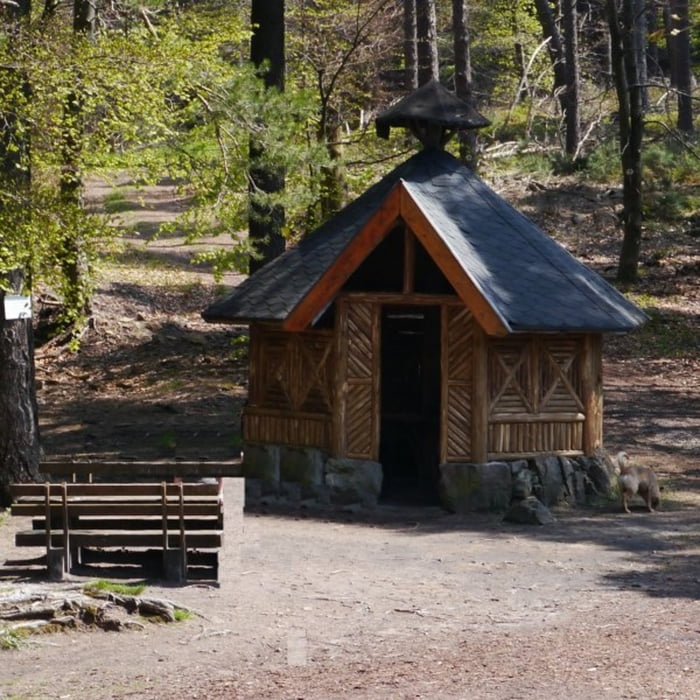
x: 529, y: 511
x: 599, y: 474
x: 522, y: 479
x: 466, y: 487
x: 262, y: 462
x: 552, y: 480
x: 290, y: 491
x: 353, y: 481
x: 304, y: 466
x: 253, y: 491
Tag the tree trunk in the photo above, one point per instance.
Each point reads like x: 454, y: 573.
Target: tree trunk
x: 571, y: 111
x: 19, y: 426
x: 653, y: 68
x: 631, y: 127
x: 410, y: 44
x: 557, y: 57
x: 332, y: 175
x: 426, y: 30
x: 639, y: 35
x: 682, y: 68
x: 669, y: 27
x: 266, y: 217
x: 76, y: 290
x: 463, y: 76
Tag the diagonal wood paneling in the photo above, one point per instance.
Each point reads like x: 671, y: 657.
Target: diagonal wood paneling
x: 458, y: 348
x: 459, y: 437
x: 460, y: 343
x: 357, y: 421
x: 510, y: 380
x: 560, y: 376
x: 316, y: 353
x: 359, y: 340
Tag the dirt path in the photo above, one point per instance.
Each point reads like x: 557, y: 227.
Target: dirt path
x: 407, y: 604
x: 391, y: 604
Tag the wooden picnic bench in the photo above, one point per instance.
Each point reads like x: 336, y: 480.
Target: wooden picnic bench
x: 76, y: 522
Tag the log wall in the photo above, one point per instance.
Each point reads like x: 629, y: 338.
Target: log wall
x: 290, y: 397
x: 501, y: 397
x: 536, y: 397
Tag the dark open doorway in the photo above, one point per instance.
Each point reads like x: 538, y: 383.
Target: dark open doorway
x: 410, y: 403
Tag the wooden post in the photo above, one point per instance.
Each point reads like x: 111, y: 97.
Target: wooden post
x: 66, y: 528
x: 444, y: 382
x: 341, y: 387
x: 54, y: 557
x: 376, y: 380
x: 592, y: 393
x: 183, y: 543
x: 480, y: 397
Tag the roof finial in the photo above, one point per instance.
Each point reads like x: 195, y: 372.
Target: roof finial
x: 432, y: 113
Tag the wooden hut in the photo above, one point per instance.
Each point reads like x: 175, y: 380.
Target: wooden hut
x: 428, y: 323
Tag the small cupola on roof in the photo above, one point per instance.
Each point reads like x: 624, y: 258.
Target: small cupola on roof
x: 433, y: 115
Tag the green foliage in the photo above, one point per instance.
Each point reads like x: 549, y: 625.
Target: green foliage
x: 504, y: 36
x: 213, y: 157
x: 12, y: 639
x: 604, y: 162
x: 104, y: 586
x: 239, y: 348
x: 182, y: 615
x: 77, y: 105
x: 672, y: 205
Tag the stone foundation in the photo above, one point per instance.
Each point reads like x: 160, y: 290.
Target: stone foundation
x: 552, y: 480
x: 307, y: 475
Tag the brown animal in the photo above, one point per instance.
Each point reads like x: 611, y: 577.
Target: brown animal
x: 635, y: 480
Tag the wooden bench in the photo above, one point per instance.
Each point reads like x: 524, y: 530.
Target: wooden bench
x: 81, y: 522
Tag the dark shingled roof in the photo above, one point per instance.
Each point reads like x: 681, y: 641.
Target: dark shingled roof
x: 529, y: 280
x: 430, y: 104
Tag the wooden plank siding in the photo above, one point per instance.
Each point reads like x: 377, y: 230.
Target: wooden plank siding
x: 290, y: 398
x: 501, y: 398
x: 356, y: 428
x: 457, y: 349
x: 537, y: 396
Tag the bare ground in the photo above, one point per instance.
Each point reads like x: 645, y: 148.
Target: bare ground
x: 397, y: 603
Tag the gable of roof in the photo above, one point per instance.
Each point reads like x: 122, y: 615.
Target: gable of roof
x: 500, y: 263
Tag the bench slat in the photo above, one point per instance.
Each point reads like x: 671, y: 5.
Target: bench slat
x: 34, y: 508
x: 116, y: 490
x: 120, y: 538
x: 197, y: 469
x: 138, y: 523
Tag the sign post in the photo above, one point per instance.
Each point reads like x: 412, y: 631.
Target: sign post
x: 16, y: 306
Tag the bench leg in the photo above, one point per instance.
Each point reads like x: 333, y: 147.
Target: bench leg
x: 173, y: 566
x: 55, y: 563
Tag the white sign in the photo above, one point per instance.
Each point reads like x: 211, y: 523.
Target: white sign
x: 17, y: 306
